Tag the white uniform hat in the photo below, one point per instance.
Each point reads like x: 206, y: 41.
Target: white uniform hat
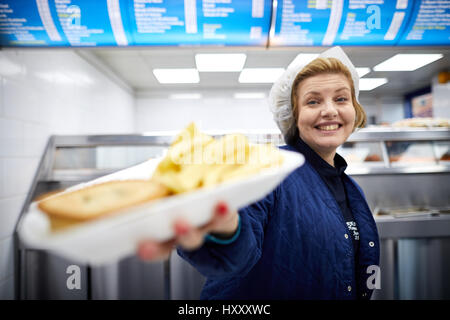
x: 280, y: 94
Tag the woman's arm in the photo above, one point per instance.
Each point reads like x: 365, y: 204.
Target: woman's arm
x: 238, y: 257
x: 214, y: 259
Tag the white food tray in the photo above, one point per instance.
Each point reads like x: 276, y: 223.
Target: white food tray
x: 112, y: 238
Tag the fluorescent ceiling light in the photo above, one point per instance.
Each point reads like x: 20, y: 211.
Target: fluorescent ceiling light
x: 220, y: 62
x: 367, y: 84
x: 186, y: 96
x: 407, y: 62
x: 362, y: 71
x: 303, y: 59
x: 249, y: 95
x: 260, y: 75
x: 177, y: 75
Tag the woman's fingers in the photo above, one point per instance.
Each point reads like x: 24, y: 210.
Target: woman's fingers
x: 188, y: 237
x: 224, y: 221
x: 150, y: 250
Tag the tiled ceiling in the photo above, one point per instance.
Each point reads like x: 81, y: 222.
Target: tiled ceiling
x: 134, y: 66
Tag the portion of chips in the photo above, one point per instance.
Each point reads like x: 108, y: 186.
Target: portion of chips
x: 196, y: 160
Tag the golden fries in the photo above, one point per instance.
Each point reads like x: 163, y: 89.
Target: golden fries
x: 196, y: 160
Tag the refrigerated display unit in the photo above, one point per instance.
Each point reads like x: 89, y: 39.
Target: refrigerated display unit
x: 404, y: 174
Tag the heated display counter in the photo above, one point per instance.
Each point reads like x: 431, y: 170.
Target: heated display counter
x: 404, y: 174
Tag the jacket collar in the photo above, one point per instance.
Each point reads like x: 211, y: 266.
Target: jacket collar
x: 323, y: 167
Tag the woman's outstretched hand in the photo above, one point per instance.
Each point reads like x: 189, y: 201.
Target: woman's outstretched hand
x: 224, y: 223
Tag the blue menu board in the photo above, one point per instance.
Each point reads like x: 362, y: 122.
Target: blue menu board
x: 300, y: 23
x: 134, y: 22
x: 22, y: 24
x: 195, y: 22
x: 429, y: 24
x: 79, y: 23
x: 340, y: 22
x: 366, y: 23
x: 87, y: 23
x: 361, y: 22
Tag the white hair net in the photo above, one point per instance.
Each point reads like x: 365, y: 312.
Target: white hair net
x: 280, y: 94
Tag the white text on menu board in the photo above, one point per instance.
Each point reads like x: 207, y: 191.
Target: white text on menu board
x: 151, y: 19
x: 291, y: 30
x: 352, y: 26
x: 211, y: 10
x: 10, y: 25
x: 70, y: 17
x: 432, y: 16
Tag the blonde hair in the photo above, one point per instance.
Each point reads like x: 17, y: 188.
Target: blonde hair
x: 314, y: 68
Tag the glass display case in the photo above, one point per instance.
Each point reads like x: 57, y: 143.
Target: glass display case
x: 388, y: 150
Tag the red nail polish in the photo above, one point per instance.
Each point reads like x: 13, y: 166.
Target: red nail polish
x: 222, y: 208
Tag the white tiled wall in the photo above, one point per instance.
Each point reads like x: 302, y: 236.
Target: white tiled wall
x: 223, y: 112
x: 386, y: 110
x: 219, y: 113
x: 45, y: 92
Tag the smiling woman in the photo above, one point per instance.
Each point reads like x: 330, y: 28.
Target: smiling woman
x: 325, y: 107
x: 313, y: 237
x: 325, y: 116
x: 324, y: 92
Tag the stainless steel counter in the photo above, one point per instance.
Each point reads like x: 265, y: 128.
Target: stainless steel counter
x: 413, y: 227
x: 415, y: 257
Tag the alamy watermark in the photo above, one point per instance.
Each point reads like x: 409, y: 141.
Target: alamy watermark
x: 232, y: 149
x: 374, y: 280
x: 73, y: 17
x: 374, y: 20
x: 73, y: 281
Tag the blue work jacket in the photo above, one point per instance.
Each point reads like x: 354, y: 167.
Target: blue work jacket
x: 293, y: 244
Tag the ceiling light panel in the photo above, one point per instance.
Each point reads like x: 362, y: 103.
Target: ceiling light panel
x: 407, y: 62
x: 362, y: 71
x: 303, y: 59
x: 249, y: 95
x: 367, y: 84
x: 260, y: 75
x: 220, y: 62
x: 166, y: 76
x: 185, y: 96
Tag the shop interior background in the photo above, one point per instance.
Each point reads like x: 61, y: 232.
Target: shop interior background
x: 111, y: 88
